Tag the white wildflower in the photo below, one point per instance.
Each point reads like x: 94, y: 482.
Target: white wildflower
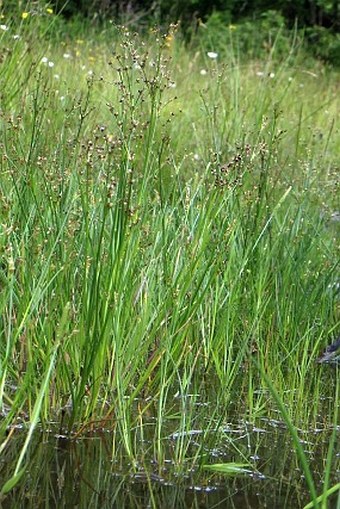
x: 203, y: 72
x: 212, y: 54
x: 4, y: 28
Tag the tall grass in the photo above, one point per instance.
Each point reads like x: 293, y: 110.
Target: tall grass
x: 161, y: 227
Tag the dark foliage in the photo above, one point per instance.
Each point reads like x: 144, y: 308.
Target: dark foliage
x: 324, y: 13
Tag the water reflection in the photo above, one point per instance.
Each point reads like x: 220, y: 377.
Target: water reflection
x: 83, y: 473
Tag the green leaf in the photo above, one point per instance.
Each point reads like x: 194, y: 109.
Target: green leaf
x: 324, y: 496
x: 229, y: 468
x: 12, y: 481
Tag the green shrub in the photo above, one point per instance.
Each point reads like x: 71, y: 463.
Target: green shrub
x: 252, y: 38
x: 324, y: 44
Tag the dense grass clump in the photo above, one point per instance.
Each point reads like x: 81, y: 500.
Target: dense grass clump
x: 168, y: 242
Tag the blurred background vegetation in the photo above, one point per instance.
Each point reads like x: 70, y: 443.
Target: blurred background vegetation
x: 316, y: 22
x: 323, y: 13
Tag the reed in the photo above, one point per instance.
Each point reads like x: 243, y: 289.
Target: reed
x: 162, y: 228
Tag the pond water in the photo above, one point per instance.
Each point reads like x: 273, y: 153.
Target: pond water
x: 67, y: 472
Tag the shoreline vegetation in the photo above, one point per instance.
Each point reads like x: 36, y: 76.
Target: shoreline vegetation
x: 169, y: 242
